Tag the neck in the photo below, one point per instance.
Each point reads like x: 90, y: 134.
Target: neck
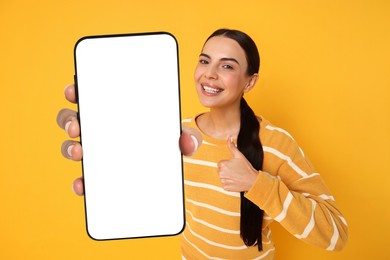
x: 221, y: 123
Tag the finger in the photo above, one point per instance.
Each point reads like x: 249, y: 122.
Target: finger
x: 70, y: 93
x: 67, y: 120
x: 189, y: 141
x: 233, y: 148
x: 78, y: 186
x: 222, y: 164
x: 226, y: 184
x: 72, y: 128
x: 64, y: 116
x: 72, y: 150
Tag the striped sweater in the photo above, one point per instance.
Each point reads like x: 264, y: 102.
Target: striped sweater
x: 287, y: 189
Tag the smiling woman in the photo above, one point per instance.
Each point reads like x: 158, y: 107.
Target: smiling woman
x: 234, y: 193
x: 324, y: 77
x: 243, y: 172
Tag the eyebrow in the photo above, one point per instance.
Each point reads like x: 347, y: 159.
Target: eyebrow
x: 222, y: 59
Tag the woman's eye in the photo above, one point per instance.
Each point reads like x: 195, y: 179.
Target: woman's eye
x: 227, y: 67
x: 203, y: 62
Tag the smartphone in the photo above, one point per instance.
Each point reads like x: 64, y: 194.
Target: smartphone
x: 129, y: 110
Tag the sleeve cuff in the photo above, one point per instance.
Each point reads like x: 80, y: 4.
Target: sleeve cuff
x: 261, y: 191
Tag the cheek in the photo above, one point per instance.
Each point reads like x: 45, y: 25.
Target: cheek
x: 233, y: 81
x: 197, y: 73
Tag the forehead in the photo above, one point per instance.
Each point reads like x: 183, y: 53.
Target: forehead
x: 220, y: 47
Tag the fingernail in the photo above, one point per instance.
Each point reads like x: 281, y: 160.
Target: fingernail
x: 196, y: 144
x: 69, y: 150
x: 67, y: 126
x: 232, y: 141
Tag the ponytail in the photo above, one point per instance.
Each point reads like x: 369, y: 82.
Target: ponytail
x: 248, y: 142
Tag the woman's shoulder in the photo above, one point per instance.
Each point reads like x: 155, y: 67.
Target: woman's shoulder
x: 276, y: 137
x: 270, y: 128
x: 191, y: 121
x: 188, y: 121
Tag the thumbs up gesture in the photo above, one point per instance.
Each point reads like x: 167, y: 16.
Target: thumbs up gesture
x: 236, y: 174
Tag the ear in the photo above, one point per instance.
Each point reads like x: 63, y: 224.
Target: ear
x: 251, y: 83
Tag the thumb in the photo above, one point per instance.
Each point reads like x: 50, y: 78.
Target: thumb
x: 189, y: 141
x: 233, y: 148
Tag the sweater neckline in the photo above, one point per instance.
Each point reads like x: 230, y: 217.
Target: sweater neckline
x: 215, y: 141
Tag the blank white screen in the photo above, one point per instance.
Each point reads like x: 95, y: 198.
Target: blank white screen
x: 129, y: 108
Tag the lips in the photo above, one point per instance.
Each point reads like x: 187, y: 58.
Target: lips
x: 211, y: 90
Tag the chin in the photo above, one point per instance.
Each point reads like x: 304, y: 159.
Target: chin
x: 206, y: 104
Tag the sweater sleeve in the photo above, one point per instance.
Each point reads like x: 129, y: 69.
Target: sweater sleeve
x: 297, y: 197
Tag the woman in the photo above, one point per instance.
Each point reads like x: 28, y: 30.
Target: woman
x: 242, y: 172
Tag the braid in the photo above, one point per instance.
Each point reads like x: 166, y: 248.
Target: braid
x: 248, y: 142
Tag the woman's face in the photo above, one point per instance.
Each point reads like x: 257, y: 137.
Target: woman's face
x: 220, y: 75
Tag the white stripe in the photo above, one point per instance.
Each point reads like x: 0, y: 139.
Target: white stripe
x: 289, y: 161
x: 326, y: 197
x: 205, y: 142
x: 311, y: 224
x: 212, y: 187
x: 204, y: 205
x: 309, y: 176
x: 200, y: 251
x: 303, y: 154
x: 270, y: 127
x: 322, y: 196
x: 262, y: 256
x: 215, y: 243
x: 335, y: 236
x: 268, y: 237
x: 343, y: 220
x: 200, y: 162
x: 286, y: 205
x: 224, y: 230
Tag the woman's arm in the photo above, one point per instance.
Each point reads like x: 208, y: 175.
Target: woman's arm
x: 297, y: 197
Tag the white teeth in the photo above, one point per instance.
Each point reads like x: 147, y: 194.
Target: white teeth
x: 212, y: 90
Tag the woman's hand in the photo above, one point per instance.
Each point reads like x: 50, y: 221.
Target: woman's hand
x: 189, y: 140
x: 236, y: 174
x: 70, y: 149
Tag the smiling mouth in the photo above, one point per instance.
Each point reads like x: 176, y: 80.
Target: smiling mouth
x: 211, y: 90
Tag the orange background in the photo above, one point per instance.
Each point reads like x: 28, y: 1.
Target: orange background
x: 324, y: 78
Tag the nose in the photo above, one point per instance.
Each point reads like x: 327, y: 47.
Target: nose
x: 211, y: 72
